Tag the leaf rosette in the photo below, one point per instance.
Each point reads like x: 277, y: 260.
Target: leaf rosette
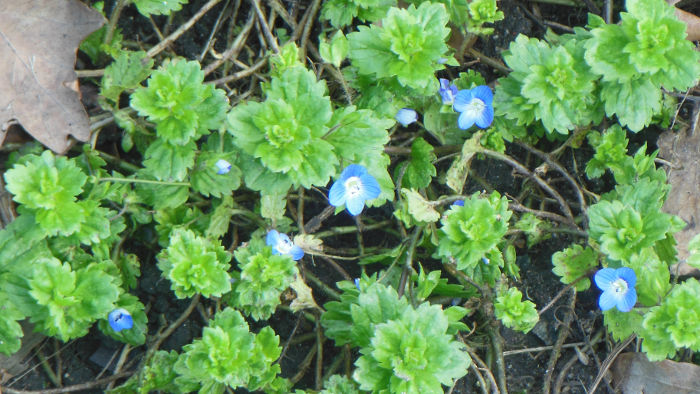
x: 473, y: 231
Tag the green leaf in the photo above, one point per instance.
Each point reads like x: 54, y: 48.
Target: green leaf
x: 419, y: 208
x: 420, y: 169
x: 285, y: 132
x: 126, y: 72
x: 273, y: 206
x: 480, y: 12
x: 10, y: 330
x: 67, y: 301
x: 195, y: 265
x: 610, y: 151
x: 674, y: 323
x: 407, y: 46
x: 158, y: 7
x: 412, y: 353
x: 341, y: 12
x: 472, y: 232
x: 228, y: 354
x: 47, y: 186
x: 221, y: 218
x: 205, y: 179
x: 262, y: 280
x: 574, y: 262
x: 536, y: 229
x: 634, y: 102
x: 335, y: 51
x: 180, y: 104
x: 515, y: 313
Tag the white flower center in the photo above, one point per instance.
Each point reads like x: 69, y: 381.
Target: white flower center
x: 284, y: 246
x: 353, y: 187
x: 619, y: 287
x: 475, y: 108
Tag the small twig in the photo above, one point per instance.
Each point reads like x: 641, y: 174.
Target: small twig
x: 69, y: 389
x: 609, y: 360
x: 556, y: 352
x: 482, y: 365
x: 562, y: 291
x: 113, y: 19
x: 182, y: 29
x: 310, y: 18
x: 265, y: 28
x: 156, y: 343
x: 540, y: 349
x: 488, y: 61
x: 573, y: 359
x: 241, y: 74
x: 408, y: 265
x: 214, y: 29
x: 318, y: 378
x: 235, y: 47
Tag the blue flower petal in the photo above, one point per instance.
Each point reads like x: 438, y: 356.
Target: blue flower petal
x: 459, y: 203
x: 337, y: 195
x: 604, y: 277
x: 357, y: 283
x: 486, y: 117
x: 626, y: 303
x: 120, y: 319
x: 465, y: 120
x: 355, y: 205
x: 370, y: 187
x: 607, y: 300
x: 483, y: 93
x: 406, y: 116
x: 462, y: 100
x: 351, y: 171
x: 627, y: 274
x: 296, y: 252
x: 272, y: 238
x: 223, y: 167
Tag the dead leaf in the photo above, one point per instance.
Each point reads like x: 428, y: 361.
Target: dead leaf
x: 633, y: 373
x: 38, y: 43
x: 691, y: 21
x: 682, y: 149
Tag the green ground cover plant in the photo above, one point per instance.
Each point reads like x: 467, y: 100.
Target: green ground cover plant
x: 241, y: 193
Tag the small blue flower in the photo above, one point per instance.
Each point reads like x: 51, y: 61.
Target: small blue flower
x: 353, y: 188
x: 447, y: 91
x: 476, y: 106
x: 406, y: 116
x: 357, y: 283
x: 618, y: 288
x: 281, y: 244
x: 120, y: 319
x: 222, y: 167
x: 459, y: 203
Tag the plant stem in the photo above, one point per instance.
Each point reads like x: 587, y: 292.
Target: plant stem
x: 147, y: 181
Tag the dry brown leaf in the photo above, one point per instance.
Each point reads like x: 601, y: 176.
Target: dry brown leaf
x: 633, y: 373
x: 38, y: 43
x: 682, y: 149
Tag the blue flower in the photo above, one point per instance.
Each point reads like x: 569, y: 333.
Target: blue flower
x: 447, y: 91
x: 281, y: 244
x: 357, y: 283
x: 458, y: 203
x: 406, y: 116
x: 353, y: 188
x: 222, y: 167
x: 618, y: 288
x: 120, y: 319
x: 476, y: 106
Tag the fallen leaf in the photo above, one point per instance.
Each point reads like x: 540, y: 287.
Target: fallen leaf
x: 38, y: 44
x: 682, y: 150
x: 633, y: 373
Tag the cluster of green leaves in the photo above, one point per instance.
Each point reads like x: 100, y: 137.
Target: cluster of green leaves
x: 295, y: 138
x: 404, y: 348
x: 262, y: 279
x: 183, y: 109
x: 608, y: 69
x: 195, y: 264
x: 341, y: 12
x: 57, y: 268
x: 227, y: 356
x: 515, y: 313
x: 470, y: 236
x: 404, y: 51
